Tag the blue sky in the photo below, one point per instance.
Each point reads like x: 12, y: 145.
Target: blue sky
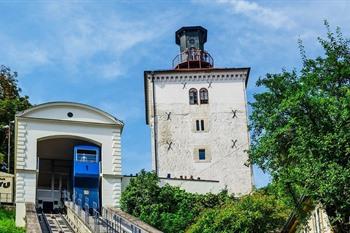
x: 95, y: 52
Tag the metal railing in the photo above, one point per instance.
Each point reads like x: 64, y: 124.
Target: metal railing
x: 203, y: 58
x: 106, y: 221
x: 117, y: 223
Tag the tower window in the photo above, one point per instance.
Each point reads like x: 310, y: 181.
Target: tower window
x: 193, y: 94
x: 200, y: 125
x: 204, y: 97
x: 201, y: 154
x: 197, y: 125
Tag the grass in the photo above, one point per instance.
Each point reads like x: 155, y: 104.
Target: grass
x: 7, y: 222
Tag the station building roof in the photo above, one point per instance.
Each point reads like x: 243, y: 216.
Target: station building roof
x: 64, y: 111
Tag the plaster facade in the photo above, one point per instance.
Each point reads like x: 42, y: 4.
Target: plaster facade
x: 172, y: 119
x: 192, y: 186
x: 49, y: 121
x: 318, y: 222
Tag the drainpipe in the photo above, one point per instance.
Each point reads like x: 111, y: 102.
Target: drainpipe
x: 155, y: 126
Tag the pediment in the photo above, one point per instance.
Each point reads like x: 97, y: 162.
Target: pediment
x: 70, y: 111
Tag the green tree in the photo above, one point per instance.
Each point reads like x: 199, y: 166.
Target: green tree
x: 172, y: 209
x: 167, y: 208
x: 259, y: 212
x: 142, y: 190
x: 11, y: 102
x: 301, y: 128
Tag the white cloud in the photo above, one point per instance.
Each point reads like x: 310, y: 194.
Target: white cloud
x: 274, y: 18
x: 26, y: 55
x: 111, y: 70
x: 75, y: 38
x: 85, y: 39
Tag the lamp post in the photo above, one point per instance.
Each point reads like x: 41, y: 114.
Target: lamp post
x: 8, y: 127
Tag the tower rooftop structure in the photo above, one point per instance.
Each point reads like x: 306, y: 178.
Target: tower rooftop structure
x: 192, y: 55
x: 203, y: 32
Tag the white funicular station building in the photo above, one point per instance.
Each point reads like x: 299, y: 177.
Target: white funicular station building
x: 45, y: 137
x: 198, y: 118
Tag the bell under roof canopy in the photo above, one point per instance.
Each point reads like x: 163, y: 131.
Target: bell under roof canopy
x: 179, y: 32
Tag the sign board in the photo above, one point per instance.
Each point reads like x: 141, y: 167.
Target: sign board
x: 6, y: 188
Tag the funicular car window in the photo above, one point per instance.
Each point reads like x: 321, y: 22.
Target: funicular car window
x: 86, y: 155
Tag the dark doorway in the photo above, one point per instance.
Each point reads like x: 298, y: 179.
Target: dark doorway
x: 55, y: 162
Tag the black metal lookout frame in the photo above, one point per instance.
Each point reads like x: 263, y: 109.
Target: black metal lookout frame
x: 193, y: 58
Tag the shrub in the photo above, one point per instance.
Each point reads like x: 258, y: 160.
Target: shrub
x: 7, y: 222
x: 172, y: 209
x: 259, y: 212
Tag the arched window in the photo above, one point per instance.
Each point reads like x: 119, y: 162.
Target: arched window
x: 193, y: 96
x: 204, y: 97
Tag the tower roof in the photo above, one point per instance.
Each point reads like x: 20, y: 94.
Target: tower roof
x: 179, y: 32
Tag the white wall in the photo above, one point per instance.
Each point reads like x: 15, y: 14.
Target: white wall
x: 60, y: 111
x: 111, y: 188
x: 318, y: 222
x: 193, y: 186
x: 227, y: 93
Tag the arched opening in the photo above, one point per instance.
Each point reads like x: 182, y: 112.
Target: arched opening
x: 55, y: 157
x: 193, y: 95
x: 204, y: 96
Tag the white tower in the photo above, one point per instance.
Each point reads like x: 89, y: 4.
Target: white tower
x: 198, y: 117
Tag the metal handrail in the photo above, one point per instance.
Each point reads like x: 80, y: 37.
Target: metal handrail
x: 107, y: 220
x: 193, y: 55
x: 119, y: 221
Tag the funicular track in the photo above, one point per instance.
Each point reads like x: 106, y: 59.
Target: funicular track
x: 54, y: 223
x: 75, y: 219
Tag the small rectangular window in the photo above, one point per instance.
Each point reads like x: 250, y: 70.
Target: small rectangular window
x: 202, y: 125
x: 201, y: 154
x: 86, y: 158
x: 86, y: 152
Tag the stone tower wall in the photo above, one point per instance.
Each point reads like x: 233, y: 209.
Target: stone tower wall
x: 225, y: 137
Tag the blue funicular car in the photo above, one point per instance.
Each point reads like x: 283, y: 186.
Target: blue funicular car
x: 86, y: 176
